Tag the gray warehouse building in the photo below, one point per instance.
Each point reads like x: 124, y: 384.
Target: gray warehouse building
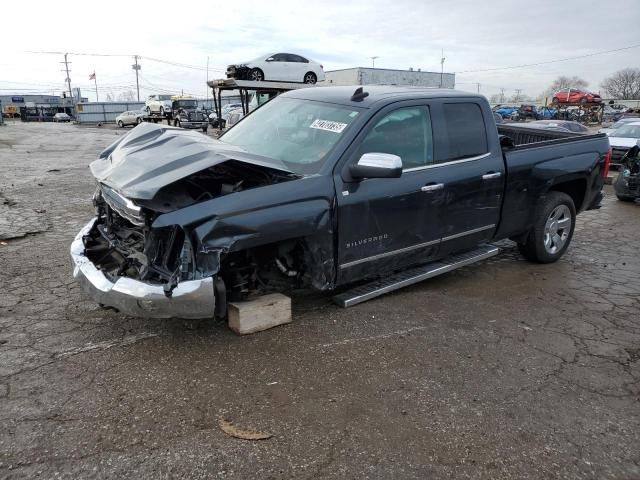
x: 385, y: 76
x: 13, y: 103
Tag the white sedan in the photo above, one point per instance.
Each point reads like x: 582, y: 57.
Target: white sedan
x: 132, y: 117
x: 278, y: 67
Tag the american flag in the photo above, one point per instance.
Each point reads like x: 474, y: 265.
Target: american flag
x: 92, y: 76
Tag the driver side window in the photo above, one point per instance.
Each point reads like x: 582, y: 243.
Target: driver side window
x: 405, y: 132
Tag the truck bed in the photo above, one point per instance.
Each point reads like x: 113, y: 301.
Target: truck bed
x: 541, y: 158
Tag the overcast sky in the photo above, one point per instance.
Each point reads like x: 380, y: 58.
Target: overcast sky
x: 475, y: 35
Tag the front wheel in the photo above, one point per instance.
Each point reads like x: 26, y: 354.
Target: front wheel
x: 148, y: 110
x: 256, y: 75
x: 204, y: 130
x: 161, y: 111
x: 552, y: 229
x: 120, y: 124
x: 139, y: 121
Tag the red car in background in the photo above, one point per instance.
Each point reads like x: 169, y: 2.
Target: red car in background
x: 575, y: 97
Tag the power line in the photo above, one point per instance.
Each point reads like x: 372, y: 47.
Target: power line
x: 550, y: 61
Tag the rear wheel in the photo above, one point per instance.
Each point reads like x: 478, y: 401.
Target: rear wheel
x: 256, y: 75
x: 552, y: 229
x: 120, y: 124
x: 555, y: 102
x: 138, y: 120
x: 310, y: 77
x: 161, y: 111
x: 148, y: 110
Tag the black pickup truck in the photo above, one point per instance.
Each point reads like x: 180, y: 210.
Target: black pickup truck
x: 324, y: 187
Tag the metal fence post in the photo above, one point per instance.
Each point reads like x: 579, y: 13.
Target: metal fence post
x: 1, y: 116
x: 104, y: 114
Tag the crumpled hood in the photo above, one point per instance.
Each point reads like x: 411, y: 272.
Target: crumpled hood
x: 153, y: 156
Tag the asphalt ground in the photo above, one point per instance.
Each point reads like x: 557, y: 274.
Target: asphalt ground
x: 504, y: 369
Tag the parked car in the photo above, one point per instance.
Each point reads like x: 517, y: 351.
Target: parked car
x: 525, y: 112
x: 505, y: 111
x: 560, y: 125
x: 158, y: 104
x: 61, y: 117
x: 618, y: 124
x: 498, y: 118
x: 627, y: 184
x: 575, y: 97
x: 622, y: 139
x: 547, y: 113
x: 278, y: 67
x: 322, y: 187
x: 130, y: 117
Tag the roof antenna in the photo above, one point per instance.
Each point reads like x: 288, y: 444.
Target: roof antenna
x: 359, y: 95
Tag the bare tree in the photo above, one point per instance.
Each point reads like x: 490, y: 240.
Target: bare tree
x: 127, y: 96
x: 564, y: 83
x: 623, y: 84
x: 495, y: 98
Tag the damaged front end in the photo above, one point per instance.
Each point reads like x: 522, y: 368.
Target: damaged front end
x: 177, y: 228
x: 627, y: 185
x: 124, y: 263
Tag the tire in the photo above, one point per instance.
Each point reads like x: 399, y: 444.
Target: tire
x: 120, y: 124
x: 204, y: 130
x: 310, y: 78
x: 162, y: 111
x: 256, y: 75
x: 625, y: 199
x: 552, y: 230
x: 138, y: 120
x: 148, y: 110
x: 583, y: 101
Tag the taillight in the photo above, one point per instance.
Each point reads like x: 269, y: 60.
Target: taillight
x: 607, y: 163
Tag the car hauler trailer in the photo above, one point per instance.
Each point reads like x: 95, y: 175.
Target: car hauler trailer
x: 245, y: 88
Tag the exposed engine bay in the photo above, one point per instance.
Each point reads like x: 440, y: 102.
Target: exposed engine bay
x: 123, y: 243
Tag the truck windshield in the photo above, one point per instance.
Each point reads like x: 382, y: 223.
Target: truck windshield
x: 186, y: 104
x: 299, y: 133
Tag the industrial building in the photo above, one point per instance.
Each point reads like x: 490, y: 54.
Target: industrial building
x: 38, y: 106
x: 385, y: 76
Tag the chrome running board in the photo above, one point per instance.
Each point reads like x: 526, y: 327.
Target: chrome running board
x: 414, y: 275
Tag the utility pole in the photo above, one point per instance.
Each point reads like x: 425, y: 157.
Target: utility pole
x: 518, y: 90
x: 502, y: 95
x: 373, y: 61
x: 478, y: 85
x: 137, y: 68
x: 206, y: 90
x: 441, y: 66
x: 67, y: 80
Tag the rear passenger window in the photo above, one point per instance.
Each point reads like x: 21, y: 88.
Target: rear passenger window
x: 405, y: 132
x: 466, y: 131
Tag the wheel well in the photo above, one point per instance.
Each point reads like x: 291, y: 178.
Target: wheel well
x: 576, y: 189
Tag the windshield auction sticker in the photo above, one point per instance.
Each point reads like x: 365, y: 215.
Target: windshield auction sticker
x: 328, y: 125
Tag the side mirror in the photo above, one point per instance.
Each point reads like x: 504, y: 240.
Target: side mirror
x: 270, y: 59
x: 377, y: 165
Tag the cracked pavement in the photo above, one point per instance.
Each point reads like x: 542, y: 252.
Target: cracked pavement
x: 504, y: 369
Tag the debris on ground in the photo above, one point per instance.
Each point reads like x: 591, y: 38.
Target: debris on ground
x: 233, y: 431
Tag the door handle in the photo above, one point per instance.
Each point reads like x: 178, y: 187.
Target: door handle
x: 489, y: 176
x: 432, y: 187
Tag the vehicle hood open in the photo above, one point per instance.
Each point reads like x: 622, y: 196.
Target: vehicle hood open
x: 153, y: 156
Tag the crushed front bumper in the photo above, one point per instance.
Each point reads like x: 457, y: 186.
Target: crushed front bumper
x: 190, y: 299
